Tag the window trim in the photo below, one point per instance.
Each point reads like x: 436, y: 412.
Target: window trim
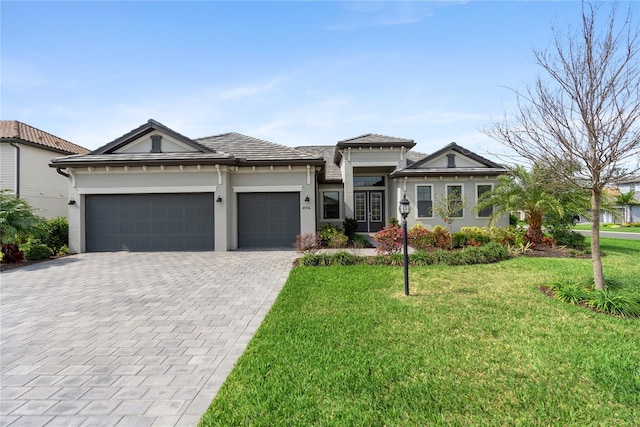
x: 417, y: 201
x: 340, y: 205
x: 478, y: 184
x: 446, y: 189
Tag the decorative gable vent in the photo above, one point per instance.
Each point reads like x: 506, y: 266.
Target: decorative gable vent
x: 156, y: 143
x: 451, y: 160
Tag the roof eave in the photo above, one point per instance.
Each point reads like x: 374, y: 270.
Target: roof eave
x: 454, y: 172
x: 36, y: 145
x: 61, y: 163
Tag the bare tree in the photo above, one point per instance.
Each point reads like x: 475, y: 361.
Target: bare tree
x: 584, y: 109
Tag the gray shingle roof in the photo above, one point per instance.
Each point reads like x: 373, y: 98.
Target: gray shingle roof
x: 332, y: 171
x: 376, y: 140
x: 15, y: 130
x: 246, y: 147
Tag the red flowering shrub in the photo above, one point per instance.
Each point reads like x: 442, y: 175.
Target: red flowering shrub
x: 420, y: 238
x: 11, y: 253
x: 389, y: 240
x: 441, y: 237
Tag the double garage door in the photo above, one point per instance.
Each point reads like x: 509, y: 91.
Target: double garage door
x: 185, y: 221
x: 149, y: 222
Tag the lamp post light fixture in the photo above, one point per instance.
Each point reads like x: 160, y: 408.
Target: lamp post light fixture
x: 405, y: 208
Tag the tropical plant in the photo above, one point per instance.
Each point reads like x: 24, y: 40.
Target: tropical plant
x: 625, y: 200
x: 17, y: 217
x: 521, y: 190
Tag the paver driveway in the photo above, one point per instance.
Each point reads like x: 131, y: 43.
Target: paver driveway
x: 135, y: 339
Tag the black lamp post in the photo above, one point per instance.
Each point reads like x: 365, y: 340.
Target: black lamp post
x: 405, y: 208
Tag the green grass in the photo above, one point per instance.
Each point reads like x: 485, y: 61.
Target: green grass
x: 473, y: 345
x: 609, y: 227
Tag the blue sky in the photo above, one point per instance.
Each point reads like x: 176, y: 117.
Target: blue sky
x: 294, y: 73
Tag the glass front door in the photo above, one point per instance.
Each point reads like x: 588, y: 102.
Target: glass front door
x: 369, y: 210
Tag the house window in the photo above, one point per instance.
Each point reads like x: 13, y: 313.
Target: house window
x: 368, y: 181
x: 331, y: 204
x: 480, y: 190
x: 454, y: 196
x: 425, y: 201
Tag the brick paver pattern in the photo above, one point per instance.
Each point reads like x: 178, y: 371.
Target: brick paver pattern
x: 128, y: 339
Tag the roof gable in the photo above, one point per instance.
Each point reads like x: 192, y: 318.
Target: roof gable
x: 463, y: 158
x: 13, y: 130
x: 128, y: 141
x: 451, y: 160
x: 371, y: 140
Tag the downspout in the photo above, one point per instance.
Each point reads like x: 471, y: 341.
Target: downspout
x: 17, y: 169
x: 59, y: 170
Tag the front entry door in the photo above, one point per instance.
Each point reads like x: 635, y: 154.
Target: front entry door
x: 369, y: 210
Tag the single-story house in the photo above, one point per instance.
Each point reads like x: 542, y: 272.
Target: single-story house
x: 154, y: 189
x: 25, y: 154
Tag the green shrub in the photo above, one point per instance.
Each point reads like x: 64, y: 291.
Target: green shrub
x: 350, y: 226
x: 616, y: 300
x: 513, y: 220
x: 327, y: 231
x: 459, y: 240
x: 568, y: 291
x: 37, y: 252
x: 570, y: 239
x: 56, y: 233
x: 394, y: 222
x: 620, y: 303
x: 63, y: 250
x: 489, y: 253
x: 338, y: 258
x: 337, y: 241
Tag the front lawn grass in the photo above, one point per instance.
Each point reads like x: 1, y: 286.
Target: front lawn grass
x: 609, y: 227
x: 473, y: 345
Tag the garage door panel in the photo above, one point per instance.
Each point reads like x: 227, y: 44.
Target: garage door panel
x: 149, y: 222
x: 268, y: 220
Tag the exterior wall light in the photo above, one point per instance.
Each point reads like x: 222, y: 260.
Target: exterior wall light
x: 307, y: 199
x: 71, y: 202
x: 219, y: 199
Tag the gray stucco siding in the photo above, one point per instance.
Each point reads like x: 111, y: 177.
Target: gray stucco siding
x: 438, y: 186
x: 118, y: 180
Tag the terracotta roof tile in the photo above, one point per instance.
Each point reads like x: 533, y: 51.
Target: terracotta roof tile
x: 13, y: 129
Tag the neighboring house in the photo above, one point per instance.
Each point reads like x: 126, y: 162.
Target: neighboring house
x: 154, y: 189
x: 631, y: 213
x: 25, y: 154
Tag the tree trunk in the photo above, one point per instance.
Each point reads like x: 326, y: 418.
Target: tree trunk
x: 596, y: 256
x: 534, y: 232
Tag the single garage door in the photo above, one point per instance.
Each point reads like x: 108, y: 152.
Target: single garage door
x: 149, y: 222
x: 268, y: 220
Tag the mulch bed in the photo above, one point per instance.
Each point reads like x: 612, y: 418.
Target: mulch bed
x: 553, y: 252
x: 11, y: 266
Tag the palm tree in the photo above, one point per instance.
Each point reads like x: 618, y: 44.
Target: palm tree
x: 522, y: 190
x: 625, y: 200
